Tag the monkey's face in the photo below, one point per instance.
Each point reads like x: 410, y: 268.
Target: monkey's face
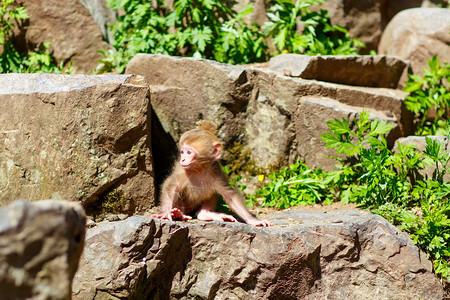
x: 187, y: 156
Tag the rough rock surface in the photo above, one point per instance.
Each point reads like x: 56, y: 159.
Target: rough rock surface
x: 416, y: 35
x: 259, y: 109
x: 366, y: 20
x: 366, y: 70
x: 102, y: 15
x: 70, y: 29
x: 75, y: 137
x: 40, y: 247
x: 340, y: 254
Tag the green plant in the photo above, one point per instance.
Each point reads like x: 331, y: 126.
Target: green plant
x: 142, y: 29
x: 10, y: 59
x: 382, y: 180
x: 376, y: 175
x: 239, y: 43
x: 8, y: 17
x: 436, y: 154
x: 210, y: 29
x: 294, y: 185
x: 429, y: 98
x: 429, y: 226
x: 318, y: 35
x: 200, y: 28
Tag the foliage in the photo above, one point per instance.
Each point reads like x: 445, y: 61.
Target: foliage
x: 376, y: 175
x: 10, y: 59
x: 200, y: 28
x: 318, y: 35
x: 383, y: 181
x: 239, y: 43
x: 377, y: 178
x: 294, y: 185
x: 429, y: 98
x: 210, y: 29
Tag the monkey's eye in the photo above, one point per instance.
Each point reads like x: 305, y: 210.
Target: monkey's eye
x: 189, y: 152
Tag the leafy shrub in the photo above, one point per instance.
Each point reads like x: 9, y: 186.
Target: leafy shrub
x: 294, y: 185
x: 200, y: 28
x: 10, y: 59
x: 376, y: 175
x: 318, y: 35
x: 210, y: 29
x: 429, y: 98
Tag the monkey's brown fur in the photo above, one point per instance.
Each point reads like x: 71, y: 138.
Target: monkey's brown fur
x: 198, y: 178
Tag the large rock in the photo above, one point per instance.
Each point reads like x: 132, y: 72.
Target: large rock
x: 75, y: 137
x: 366, y: 20
x: 418, y: 34
x: 258, y: 109
x: 40, y: 246
x: 102, y: 15
x: 366, y: 70
x: 340, y: 254
x: 309, y: 145
x: 70, y: 29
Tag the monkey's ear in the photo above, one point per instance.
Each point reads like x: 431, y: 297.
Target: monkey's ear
x: 217, y: 152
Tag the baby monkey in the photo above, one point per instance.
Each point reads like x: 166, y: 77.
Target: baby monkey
x: 198, y: 178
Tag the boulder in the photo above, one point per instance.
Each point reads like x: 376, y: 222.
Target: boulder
x: 309, y: 145
x: 256, y: 109
x: 70, y: 29
x: 366, y: 20
x: 365, y: 70
x: 76, y: 137
x: 103, y: 15
x: 40, y: 246
x: 418, y: 34
x: 307, y: 254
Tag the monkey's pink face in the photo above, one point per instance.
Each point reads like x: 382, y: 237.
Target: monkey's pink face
x: 187, y: 157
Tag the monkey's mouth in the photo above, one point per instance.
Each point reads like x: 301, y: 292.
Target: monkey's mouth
x: 186, y: 166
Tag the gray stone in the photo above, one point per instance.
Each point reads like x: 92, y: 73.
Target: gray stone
x: 70, y: 29
x: 418, y: 34
x: 308, y: 139
x: 75, y: 137
x: 102, y: 15
x: 365, y: 70
x: 40, y: 246
x: 320, y: 254
x: 366, y: 20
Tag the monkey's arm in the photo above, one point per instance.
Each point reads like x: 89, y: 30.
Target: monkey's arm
x: 168, y: 210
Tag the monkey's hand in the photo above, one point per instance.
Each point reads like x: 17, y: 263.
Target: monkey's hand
x: 174, y: 214
x: 256, y: 222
